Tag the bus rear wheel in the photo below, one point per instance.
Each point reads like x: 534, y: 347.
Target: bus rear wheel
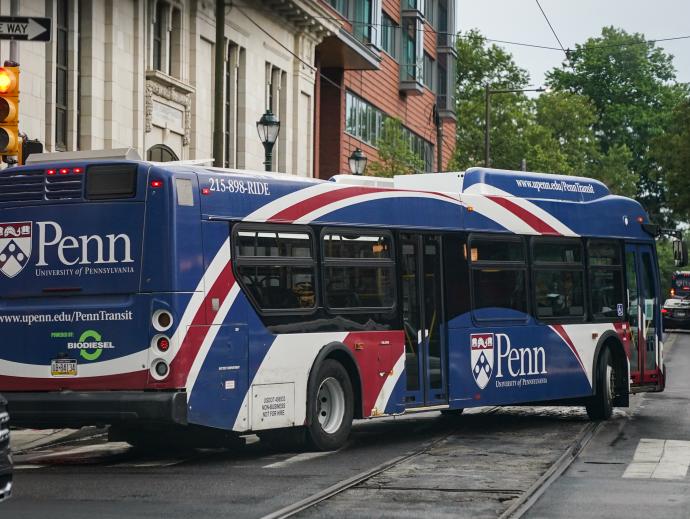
x: 600, y: 405
x: 330, y: 407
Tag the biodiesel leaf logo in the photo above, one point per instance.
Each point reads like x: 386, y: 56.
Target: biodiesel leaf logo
x: 90, y: 345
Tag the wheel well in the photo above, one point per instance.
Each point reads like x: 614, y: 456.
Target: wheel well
x: 346, y: 361
x: 620, y: 364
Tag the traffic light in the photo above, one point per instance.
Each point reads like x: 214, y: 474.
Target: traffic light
x: 9, y: 111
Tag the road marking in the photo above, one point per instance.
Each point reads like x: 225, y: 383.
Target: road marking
x: 296, y: 459
x: 659, y: 459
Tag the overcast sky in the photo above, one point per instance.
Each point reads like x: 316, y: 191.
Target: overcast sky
x: 574, y: 22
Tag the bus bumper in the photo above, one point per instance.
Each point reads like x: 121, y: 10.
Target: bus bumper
x: 43, y: 410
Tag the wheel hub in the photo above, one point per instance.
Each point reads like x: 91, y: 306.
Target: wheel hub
x: 330, y: 405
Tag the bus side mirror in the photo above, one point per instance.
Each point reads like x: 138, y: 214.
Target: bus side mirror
x: 680, y: 253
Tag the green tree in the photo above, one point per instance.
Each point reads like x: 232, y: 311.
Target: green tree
x: 630, y: 83
x: 480, y: 64
x: 672, y: 153
x: 396, y: 157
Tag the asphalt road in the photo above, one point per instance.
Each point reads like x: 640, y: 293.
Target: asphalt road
x: 476, y: 465
x: 637, y: 467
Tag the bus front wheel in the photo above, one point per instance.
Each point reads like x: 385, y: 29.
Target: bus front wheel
x: 600, y: 405
x: 330, y: 407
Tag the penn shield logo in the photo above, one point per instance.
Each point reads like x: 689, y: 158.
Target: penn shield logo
x: 482, y: 357
x: 15, y: 247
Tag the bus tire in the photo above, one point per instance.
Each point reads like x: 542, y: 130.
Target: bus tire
x: 600, y: 405
x: 330, y: 407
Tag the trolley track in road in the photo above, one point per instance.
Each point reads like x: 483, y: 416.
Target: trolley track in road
x: 518, y: 508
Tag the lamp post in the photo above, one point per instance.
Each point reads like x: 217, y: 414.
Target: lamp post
x: 487, y: 114
x: 358, y: 162
x: 268, y: 127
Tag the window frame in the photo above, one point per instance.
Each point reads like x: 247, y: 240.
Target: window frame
x: 275, y: 261
x: 523, y: 265
x: 620, y: 267
x: 537, y: 266
x: 325, y: 262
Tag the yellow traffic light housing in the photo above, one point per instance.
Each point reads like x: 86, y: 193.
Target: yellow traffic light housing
x: 10, y: 143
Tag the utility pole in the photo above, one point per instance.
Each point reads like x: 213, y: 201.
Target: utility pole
x: 219, y: 98
x: 487, y: 124
x: 14, y: 45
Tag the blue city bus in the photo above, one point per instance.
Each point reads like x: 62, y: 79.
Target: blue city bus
x: 153, y: 296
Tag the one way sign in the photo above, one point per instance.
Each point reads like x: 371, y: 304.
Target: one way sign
x: 24, y: 28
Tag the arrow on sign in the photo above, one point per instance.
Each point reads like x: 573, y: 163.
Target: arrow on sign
x: 24, y: 28
x: 35, y: 29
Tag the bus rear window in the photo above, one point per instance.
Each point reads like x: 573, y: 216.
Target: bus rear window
x: 111, y: 181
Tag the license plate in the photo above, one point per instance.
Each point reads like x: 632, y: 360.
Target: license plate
x: 63, y: 368
x: 679, y: 313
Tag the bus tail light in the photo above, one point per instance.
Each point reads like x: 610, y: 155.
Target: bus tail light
x: 163, y: 343
x: 156, y: 183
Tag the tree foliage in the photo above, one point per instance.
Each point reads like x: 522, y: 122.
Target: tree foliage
x: 608, y: 105
x: 630, y: 83
x: 672, y: 152
x: 396, y: 156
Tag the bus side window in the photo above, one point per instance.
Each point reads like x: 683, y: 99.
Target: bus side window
x: 605, y: 279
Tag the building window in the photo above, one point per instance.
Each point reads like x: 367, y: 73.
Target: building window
x: 161, y: 153
x: 166, y: 39
x: 61, y: 67
x: 445, y: 24
x: 158, y: 36
x: 361, y: 20
x: 365, y: 122
x: 412, y: 57
x: 389, y: 36
x: 430, y: 12
x: 361, y: 14
x: 429, y: 66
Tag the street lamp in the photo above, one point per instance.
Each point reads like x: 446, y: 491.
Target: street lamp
x: 357, y: 162
x: 268, y: 127
x: 487, y: 114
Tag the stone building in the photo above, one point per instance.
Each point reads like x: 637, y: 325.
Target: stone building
x: 140, y: 73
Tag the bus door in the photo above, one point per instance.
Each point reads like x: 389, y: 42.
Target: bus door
x: 643, y: 315
x: 425, y: 341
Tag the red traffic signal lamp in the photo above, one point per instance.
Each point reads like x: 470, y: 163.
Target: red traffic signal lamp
x: 9, y: 111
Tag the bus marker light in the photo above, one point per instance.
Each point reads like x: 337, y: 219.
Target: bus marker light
x: 359, y: 346
x: 470, y: 208
x: 76, y: 170
x: 156, y: 183
x: 205, y: 191
x: 50, y: 172
x: 64, y: 171
x: 640, y: 219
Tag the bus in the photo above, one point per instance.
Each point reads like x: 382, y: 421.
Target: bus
x: 680, y: 284
x: 154, y: 296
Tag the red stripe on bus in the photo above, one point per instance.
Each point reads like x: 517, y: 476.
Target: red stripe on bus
x: 533, y: 221
x: 298, y: 210
x: 191, y: 344
x: 376, y: 354
x: 304, y: 207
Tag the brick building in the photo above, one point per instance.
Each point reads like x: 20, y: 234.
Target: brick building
x: 390, y: 58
